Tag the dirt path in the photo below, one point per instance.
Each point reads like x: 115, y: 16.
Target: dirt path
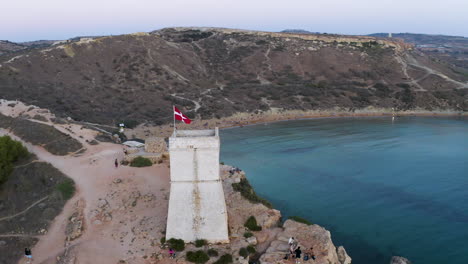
x: 25, y: 210
x: 429, y: 71
x: 124, y: 209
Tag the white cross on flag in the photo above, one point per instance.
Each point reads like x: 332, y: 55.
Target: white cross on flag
x: 179, y: 116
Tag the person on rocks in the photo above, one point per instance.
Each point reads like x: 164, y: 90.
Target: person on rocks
x: 298, y: 254
x: 116, y: 163
x: 28, y: 254
x: 171, y: 253
x: 309, y: 254
x: 291, y: 250
x: 291, y: 241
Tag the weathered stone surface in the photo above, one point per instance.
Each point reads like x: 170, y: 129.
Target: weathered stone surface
x: 252, y: 240
x: 307, y: 236
x: 399, y: 260
x: 342, y: 256
x: 75, y: 225
x: 155, y: 145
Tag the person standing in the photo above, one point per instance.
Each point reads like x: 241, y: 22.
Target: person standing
x: 116, y: 163
x: 298, y: 254
x: 291, y: 241
x: 28, y: 254
x: 171, y: 253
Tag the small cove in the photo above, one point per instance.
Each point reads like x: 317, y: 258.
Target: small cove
x: 382, y: 188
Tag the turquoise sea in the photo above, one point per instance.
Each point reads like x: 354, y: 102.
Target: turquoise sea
x: 382, y: 188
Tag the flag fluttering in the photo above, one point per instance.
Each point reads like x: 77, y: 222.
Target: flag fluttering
x: 179, y: 116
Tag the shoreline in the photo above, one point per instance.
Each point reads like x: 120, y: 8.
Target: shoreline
x: 275, y: 115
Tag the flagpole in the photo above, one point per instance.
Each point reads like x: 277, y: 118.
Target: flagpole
x: 173, y: 116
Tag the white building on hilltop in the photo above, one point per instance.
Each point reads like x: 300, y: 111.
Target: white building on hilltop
x: 197, y: 207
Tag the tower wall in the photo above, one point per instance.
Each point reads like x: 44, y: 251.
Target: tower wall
x: 197, y: 207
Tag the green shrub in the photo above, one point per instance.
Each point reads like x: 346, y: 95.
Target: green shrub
x: 176, y: 244
x: 212, y: 252
x: 248, y: 234
x: 243, y: 252
x: 300, y: 220
x: 66, y: 188
x: 251, y: 249
x: 251, y: 224
x: 248, y: 192
x: 200, y: 242
x: 162, y: 240
x: 224, y: 259
x: 141, y: 162
x: 197, y: 257
x: 10, y: 152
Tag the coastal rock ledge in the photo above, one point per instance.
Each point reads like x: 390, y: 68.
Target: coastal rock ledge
x: 308, y: 236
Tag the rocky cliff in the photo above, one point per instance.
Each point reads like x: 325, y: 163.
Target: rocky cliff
x: 271, y: 241
x: 212, y: 72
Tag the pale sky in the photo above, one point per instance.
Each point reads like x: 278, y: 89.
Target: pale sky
x: 24, y: 20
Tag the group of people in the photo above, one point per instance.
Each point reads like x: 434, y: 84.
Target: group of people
x: 295, y: 251
x: 234, y: 170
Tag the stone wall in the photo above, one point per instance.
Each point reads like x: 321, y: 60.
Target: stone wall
x: 155, y: 145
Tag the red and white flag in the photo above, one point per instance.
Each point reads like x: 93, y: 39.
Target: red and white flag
x: 179, y: 116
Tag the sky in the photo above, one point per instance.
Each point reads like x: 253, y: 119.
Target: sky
x: 26, y: 20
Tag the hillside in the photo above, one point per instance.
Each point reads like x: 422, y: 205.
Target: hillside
x: 218, y: 72
x: 451, y: 50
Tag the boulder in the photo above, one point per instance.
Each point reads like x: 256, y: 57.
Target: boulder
x: 252, y: 240
x: 342, y: 256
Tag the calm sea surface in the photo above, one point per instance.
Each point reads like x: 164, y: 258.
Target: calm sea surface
x: 382, y: 188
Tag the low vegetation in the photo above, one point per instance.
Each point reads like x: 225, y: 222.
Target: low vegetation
x: 43, y: 135
x: 11, y: 151
x: 141, y: 162
x: 176, y: 244
x: 243, y: 252
x: 198, y: 256
x: 224, y: 259
x: 212, y: 252
x: 200, y: 242
x: 252, y: 225
x: 300, y: 220
x: 248, y: 192
x: 248, y: 234
x: 66, y: 188
x: 251, y: 249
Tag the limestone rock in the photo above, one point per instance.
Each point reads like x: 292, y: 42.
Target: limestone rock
x: 155, y: 145
x: 116, y: 181
x: 307, y: 236
x: 252, y: 240
x: 399, y: 260
x: 342, y: 256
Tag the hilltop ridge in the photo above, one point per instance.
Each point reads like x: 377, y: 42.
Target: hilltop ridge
x: 217, y: 72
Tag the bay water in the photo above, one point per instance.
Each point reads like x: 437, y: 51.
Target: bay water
x: 381, y: 187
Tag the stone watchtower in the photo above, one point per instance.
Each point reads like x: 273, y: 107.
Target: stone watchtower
x: 197, y: 208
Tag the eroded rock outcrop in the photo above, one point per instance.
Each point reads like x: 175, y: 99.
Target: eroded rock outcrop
x: 307, y: 236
